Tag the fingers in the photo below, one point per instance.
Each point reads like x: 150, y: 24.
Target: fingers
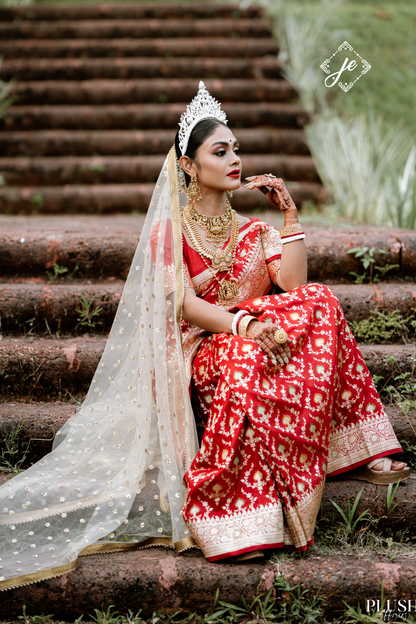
x: 280, y: 353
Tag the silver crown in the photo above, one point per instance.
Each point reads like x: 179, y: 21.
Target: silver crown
x: 202, y: 106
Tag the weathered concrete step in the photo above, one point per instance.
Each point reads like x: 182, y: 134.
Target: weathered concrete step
x: 40, y: 307
x: 130, y: 142
x: 146, y: 116
x: 115, y: 28
x: 133, y: 169
x: 153, y: 579
x: 132, y: 10
x: 137, y: 91
x: 130, y: 68
x: 210, y: 46
x: 105, y: 198
x: 37, y: 424
x: 359, y: 300
x: 36, y: 307
x: 104, y: 245
x: 43, y: 369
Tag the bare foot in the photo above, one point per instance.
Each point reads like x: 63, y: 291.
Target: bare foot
x: 395, y: 465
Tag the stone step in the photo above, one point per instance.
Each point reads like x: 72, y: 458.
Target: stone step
x: 138, y: 28
x: 111, y: 198
x: 135, y: 68
x: 130, y: 142
x: 37, y: 424
x: 209, y: 46
x: 154, y: 90
x: 104, y: 246
x: 60, y: 170
x: 132, y: 10
x: 146, y: 116
x: 40, y: 307
x: 45, y: 369
x: 153, y: 579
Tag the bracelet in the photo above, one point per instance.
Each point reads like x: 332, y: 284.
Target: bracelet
x: 288, y: 230
x: 244, y: 323
x: 236, y: 318
x: 290, y: 239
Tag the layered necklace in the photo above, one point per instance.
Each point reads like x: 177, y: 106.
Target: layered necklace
x: 216, y: 232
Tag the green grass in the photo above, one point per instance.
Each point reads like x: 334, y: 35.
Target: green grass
x: 382, y: 32
x: 115, y: 2
x: 389, y: 45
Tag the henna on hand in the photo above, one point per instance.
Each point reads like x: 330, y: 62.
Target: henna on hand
x: 277, y: 193
x: 263, y: 335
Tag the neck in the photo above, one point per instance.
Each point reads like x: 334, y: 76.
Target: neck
x: 212, y: 203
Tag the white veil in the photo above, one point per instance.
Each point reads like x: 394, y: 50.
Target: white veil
x: 115, y: 477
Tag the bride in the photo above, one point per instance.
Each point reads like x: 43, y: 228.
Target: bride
x: 273, y: 385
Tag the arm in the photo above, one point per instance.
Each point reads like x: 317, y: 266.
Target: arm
x: 206, y: 315
x: 213, y: 319
x: 294, y: 267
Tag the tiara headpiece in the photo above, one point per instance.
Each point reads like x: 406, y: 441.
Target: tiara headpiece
x: 202, y: 106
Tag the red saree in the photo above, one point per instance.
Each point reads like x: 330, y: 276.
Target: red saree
x: 271, y: 437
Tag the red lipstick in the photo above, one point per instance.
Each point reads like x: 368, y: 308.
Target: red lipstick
x: 234, y: 174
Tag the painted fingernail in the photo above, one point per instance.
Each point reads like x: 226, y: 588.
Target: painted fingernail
x: 273, y: 359
x: 250, y: 178
x: 281, y: 361
x: 286, y: 360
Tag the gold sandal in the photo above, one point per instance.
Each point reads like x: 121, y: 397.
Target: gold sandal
x: 380, y: 477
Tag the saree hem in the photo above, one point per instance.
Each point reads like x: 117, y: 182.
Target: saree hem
x: 242, y: 551
x: 277, y: 545
x: 364, y: 461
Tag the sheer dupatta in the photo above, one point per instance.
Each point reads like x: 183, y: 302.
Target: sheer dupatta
x: 114, y: 479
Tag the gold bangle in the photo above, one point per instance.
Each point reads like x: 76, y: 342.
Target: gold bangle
x: 244, y: 323
x: 280, y: 336
x: 288, y: 230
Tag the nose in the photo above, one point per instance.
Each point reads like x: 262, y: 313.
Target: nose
x: 235, y: 159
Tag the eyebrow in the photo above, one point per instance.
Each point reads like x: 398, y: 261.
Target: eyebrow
x: 225, y: 143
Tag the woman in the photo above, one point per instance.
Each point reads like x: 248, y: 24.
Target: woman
x: 280, y: 390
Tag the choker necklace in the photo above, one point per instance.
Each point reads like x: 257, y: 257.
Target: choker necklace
x: 215, y: 227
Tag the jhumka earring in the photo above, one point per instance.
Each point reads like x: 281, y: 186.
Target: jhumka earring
x: 193, y: 192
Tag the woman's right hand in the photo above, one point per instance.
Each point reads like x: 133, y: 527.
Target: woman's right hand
x: 263, y: 335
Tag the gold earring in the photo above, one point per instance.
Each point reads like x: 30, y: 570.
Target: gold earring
x: 193, y: 192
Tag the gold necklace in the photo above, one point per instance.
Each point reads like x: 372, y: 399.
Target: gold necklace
x: 221, y: 259
x: 215, y: 227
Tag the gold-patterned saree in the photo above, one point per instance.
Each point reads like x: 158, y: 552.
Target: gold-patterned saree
x: 269, y: 436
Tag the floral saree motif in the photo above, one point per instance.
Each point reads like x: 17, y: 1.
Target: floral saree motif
x: 271, y: 436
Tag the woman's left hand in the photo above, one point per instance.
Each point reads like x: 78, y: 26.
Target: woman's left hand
x: 263, y: 335
x: 274, y: 189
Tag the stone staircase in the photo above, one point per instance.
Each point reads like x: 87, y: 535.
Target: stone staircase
x: 101, y: 88
x: 99, y: 94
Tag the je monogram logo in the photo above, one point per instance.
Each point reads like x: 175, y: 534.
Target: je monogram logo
x: 339, y: 64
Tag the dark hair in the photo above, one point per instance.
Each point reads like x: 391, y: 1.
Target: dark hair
x: 199, y: 134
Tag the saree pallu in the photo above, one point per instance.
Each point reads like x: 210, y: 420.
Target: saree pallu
x: 271, y: 436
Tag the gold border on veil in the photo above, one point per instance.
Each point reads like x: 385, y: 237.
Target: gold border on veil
x: 176, y: 231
